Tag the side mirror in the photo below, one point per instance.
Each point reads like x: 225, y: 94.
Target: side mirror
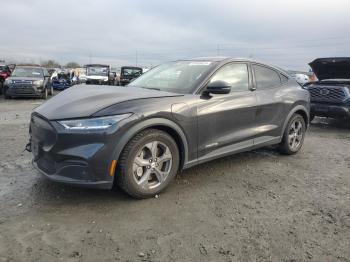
x: 218, y: 87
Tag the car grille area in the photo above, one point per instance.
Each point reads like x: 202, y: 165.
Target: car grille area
x: 23, y: 87
x: 328, y: 94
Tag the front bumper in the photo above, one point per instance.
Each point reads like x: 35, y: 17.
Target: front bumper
x: 28, y: 91
x: 328, y: 110
x: 65, y: 174
x: 60, y: 86
x: 96, y: 82
x: 74, y: 157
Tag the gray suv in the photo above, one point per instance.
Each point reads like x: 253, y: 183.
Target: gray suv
x: 173, y: 117
x: 28, y: 81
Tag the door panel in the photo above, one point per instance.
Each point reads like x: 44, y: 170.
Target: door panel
x: 270, y: 104
x: 226, y: 120
x: 269, y: 116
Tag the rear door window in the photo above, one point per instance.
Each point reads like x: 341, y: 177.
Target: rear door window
x: 265, y: 77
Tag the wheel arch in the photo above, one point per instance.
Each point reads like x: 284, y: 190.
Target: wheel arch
x: 165, y: 125
x: 298, y: 109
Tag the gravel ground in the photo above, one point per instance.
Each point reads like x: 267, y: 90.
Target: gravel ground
x: 255, y: 206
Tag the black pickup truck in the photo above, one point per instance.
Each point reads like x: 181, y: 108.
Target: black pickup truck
x: 129, y: 73
x: 330, y: 95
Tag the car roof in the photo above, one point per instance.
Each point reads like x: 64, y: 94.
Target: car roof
x: 29, y: 66
x: 224, y: 59
x: 131, y: 67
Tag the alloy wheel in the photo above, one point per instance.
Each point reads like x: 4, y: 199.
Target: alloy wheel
x: 295, y: 134
x: 152, y: 164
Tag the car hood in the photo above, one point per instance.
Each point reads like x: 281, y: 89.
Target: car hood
x: 331, y: 68
x: 25, y: 78
x: 83, y: 101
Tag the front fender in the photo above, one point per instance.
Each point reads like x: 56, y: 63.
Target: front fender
x: 149, y: 123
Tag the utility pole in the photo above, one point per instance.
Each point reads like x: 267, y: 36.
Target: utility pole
x: 218, y: 50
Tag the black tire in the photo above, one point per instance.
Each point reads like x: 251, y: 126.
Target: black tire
x: 1, y: 87
x: 125, y: 176
x: 285, y: 147
x: 6, y: 96
x: 312, y: 117
x: 51, y: 91
x: 44, y: 94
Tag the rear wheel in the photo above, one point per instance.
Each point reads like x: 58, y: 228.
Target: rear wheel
x: 148, y: 164
x: 312, y: 117
x: 293, y: 136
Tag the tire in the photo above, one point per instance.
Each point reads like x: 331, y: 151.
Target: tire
x: 44, y: 94
x: 312, y: 117
x: 142, y: 180
x: 1, y: 87
x: 6, y: 96
x: 51, y: 91
x: 295, y: 131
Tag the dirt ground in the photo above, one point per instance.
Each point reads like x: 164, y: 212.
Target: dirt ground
x: 256, y: 206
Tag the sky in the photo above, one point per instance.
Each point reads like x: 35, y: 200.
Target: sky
x: 286, y: 33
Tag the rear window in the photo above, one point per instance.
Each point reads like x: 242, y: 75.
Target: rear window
x: 266, y: 77
x: 131, y: 72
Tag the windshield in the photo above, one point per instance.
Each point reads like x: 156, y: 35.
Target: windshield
x: 97, y: 71
x: 131, y: 72
x: 178, y: 77
x: 27, y: 72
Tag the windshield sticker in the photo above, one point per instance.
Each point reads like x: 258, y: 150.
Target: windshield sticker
x: 199, y: 63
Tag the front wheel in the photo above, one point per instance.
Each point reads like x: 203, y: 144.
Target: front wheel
x: 293, y: 136
x: 148, y: 164
x: 44, y: 94
x: 6, y: 96
x: 51, y: 91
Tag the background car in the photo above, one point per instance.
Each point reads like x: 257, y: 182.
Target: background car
x: 5, y: 72
x: 61, y: 81
x: 330, y: 95
x: 178, y: 115
x: 129, y: 73
x: 28, y: 81
x: 97, y: 74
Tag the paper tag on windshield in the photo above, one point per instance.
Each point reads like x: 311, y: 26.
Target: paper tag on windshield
x: 199, y: 63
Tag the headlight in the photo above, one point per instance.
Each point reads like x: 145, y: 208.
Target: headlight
x: 38, y: 82
x: 92, y: 123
